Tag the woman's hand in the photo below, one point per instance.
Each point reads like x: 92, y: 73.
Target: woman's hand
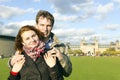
x: 50, y: 60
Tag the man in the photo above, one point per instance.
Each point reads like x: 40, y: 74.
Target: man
x: 44, y: 23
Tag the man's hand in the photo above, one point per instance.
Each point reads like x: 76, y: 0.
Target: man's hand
x: 18, y: 65
x: 55, y: 52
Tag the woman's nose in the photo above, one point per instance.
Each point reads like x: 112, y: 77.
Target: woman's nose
x: 32, y: 39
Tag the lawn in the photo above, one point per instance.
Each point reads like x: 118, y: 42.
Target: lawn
x: 84, y: 68
x: 95, y: 68
x: 4, y: 69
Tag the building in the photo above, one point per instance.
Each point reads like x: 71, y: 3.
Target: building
x: 94, y: 47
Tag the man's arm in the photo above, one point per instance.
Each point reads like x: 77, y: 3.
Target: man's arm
x: 66, y: 64
x: 63, y: 59
x: 14, y: 59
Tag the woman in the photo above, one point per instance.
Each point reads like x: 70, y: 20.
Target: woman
x: 37, y: 65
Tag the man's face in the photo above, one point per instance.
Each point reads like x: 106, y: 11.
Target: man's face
x: 45, y: 26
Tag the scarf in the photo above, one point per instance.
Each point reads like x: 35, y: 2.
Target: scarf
x: 35, y: 52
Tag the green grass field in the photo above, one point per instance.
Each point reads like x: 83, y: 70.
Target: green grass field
x: 95, y: 68
x: 4, y: 70
x: 84, y: 68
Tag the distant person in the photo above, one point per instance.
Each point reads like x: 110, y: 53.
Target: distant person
x: 45, y: 23
x: 36, y: 63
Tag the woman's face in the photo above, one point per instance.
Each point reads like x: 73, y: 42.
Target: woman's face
x: 30, y: 39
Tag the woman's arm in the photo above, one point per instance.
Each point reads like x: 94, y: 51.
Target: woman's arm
x: 52, y: 66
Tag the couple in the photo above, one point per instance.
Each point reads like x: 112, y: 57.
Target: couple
x: 41, y: 64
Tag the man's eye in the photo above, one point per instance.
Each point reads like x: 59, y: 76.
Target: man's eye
x: 49, y: 26
x: 41, y: 24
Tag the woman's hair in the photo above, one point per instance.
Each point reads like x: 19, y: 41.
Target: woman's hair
x: 45, y: 14
x: 19, y: 40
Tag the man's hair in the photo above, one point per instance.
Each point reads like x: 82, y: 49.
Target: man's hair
x: 45, y: 14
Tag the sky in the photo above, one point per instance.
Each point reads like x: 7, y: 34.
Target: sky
x: 74, y: 19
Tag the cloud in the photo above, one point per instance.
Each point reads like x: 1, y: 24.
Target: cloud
x: 103, y: 10
x: 7, y: 12
x: 7, y: 31
x: 112, y: 27
x: 1, y: 23
x: 108, y: 36
x: 69, y: 6
x: 67, y: 18
x: 36, y: 0
x: 103, y: 38
x: 87, y: 32
x: 73, y: 10
x: 117, y: 1
x: 71, y: 18
x: 73, y: 35
x: 80, y: 10
x: 4, y: 0
x: 69, y: 35
x: 13, y: 27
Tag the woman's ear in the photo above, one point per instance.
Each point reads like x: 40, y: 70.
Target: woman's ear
x: 36, y: 26
x: 23, y: 43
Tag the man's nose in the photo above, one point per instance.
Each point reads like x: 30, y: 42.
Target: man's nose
x: 45, y: 28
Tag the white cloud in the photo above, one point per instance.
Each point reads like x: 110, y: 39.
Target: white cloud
x: 103, y: 10
x: 7, y: 31
x: 112, y: 27
x: 37, y: 0
x: 67, y: 18
x: 71, y: 18
x: 70, y: 6
x: 13, y: 27
x: 73, y: 35
x: 117, y: 1
x: 87, y: 32
x: 4, y: 0
x: 73, y: 10
x: 9, y: 12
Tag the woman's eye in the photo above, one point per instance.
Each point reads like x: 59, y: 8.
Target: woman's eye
x: 27, y: 38
x: 34, y: 35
